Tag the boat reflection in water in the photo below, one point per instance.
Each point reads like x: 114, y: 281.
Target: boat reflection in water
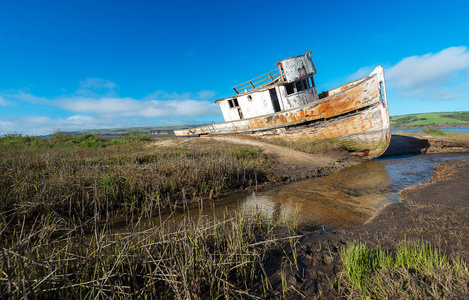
x: 343, y: 199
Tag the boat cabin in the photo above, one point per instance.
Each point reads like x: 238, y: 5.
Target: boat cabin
x: 289, y: 86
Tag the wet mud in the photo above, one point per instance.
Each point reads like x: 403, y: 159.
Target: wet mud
x: 436, y: 211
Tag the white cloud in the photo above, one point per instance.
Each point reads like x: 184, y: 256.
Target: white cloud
x: 40, y: 125
x: 129, y: 107
x: 6, y: 126
x: 440, y: 76
x: 206, y: 94
x: 23, y: 96
x: 95, y: 87
x: 96, y: 105
x: 159, y: 94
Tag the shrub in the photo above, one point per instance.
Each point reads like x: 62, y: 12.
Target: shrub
x: 434, y: 131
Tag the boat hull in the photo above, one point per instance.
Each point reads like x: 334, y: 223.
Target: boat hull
x: 355, y: 114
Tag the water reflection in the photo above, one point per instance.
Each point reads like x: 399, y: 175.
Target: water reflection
x: 343, y: 199
x: 346, y: 198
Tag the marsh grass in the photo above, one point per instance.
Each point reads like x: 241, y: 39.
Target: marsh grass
x: 415, y: 271
x: 59, y: 196
x: 78, y: 178
x: 195, y: 258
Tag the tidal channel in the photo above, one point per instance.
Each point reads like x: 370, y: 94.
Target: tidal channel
x: 347, y: 198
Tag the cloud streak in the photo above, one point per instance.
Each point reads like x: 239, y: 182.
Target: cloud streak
x: 95, y: 87
x: 41, y: 125
x: 4, y: 102
x: 14, y: 96
x: 129, y: 107
x: 440, y: 76
x: 362, y: 72
x: 96, y: 105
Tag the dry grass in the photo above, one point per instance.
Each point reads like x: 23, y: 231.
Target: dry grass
x: 193, y: 259
x: 79, y: 179
x: 59, y: 198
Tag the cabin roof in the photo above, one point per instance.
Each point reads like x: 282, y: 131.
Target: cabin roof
x: 252, y: 90
x: 261, y: 82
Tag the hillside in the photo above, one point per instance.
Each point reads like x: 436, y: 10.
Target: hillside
x: 135, y: 130
x: 442, y: 119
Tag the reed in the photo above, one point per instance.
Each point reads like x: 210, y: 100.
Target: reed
x: 83, y: 177
x: 193, y: 259
x: 59, y: 198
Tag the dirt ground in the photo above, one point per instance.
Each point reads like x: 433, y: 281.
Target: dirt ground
x: 290, y: 164
x: 296, y: 165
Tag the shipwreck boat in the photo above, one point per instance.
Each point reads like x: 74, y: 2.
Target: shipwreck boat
x: 285, y: 104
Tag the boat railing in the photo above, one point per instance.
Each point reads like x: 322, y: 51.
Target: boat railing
x: 257, y: 82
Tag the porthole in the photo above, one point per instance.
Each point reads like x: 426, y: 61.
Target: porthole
x: 249, y: 97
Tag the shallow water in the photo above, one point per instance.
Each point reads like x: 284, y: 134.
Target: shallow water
x: 346, y: 198
x: 458, y: 129
x: 343, y: 199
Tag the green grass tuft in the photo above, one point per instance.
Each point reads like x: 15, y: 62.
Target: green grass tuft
x: 416, y: 271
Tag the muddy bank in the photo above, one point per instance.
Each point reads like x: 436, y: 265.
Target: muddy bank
x: 404, y: 144
x: 437, y: 211
x: 294, y: 165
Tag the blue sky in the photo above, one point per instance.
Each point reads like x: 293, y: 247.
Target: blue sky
x: 73, y: 65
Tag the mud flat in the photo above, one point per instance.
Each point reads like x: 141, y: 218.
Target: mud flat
x: 436, y: 212
x: 420, y: 143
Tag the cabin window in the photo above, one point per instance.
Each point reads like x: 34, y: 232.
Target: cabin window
x: 233, y: 103
x: 290, y: 87
x: 249, y: 97
x: 299, y: 86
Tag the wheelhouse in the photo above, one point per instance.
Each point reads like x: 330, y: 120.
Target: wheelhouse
x: 289, y: 86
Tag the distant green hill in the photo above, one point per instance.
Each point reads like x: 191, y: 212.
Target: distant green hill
x: 443, y: 119
x: 134, y: 130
